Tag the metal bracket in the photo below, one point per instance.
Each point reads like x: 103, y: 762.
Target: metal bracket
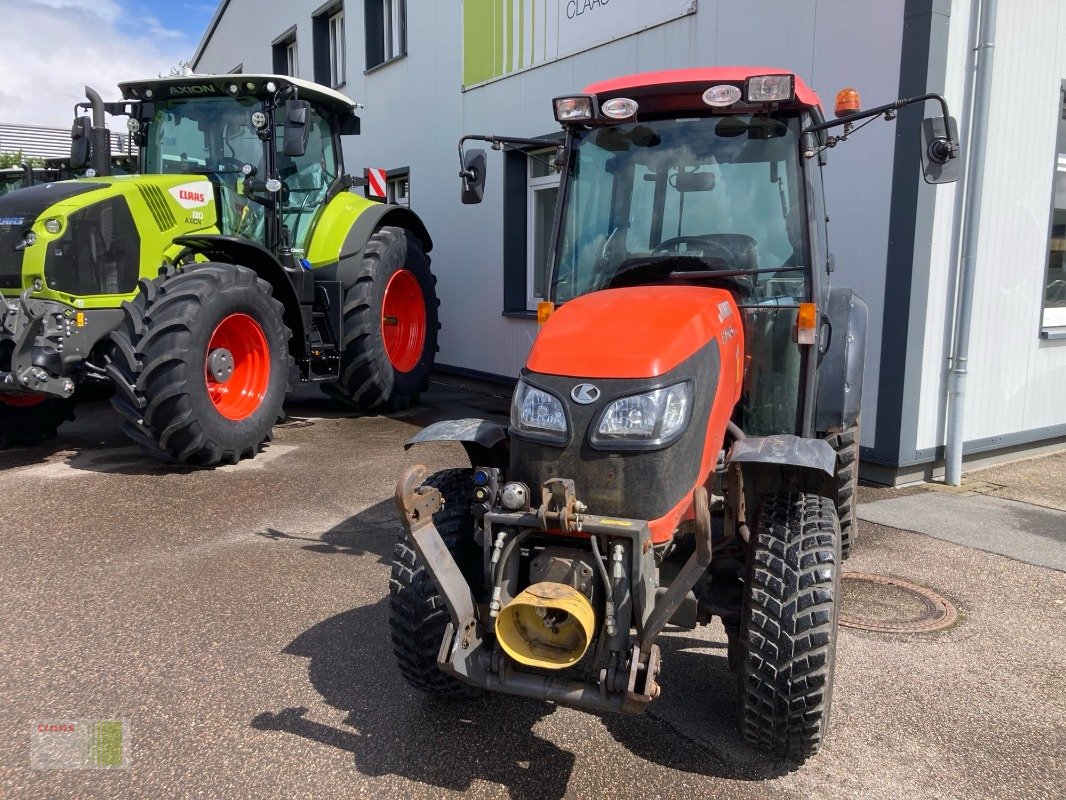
x: 416, y: 503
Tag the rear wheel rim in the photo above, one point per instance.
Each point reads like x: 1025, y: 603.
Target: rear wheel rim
x: 241, y: 395
x: 403, y: 320
x: 22, y: 400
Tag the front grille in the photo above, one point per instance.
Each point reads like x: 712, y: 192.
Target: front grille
x: 10, y: 258
x: 157, y: 204
x: 98, y: 252
x: 638, y: 484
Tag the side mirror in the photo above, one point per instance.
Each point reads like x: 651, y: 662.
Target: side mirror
x: 79, y: 142
x: 297, y: 130
x: 940, y: 150
x: 473, y: 176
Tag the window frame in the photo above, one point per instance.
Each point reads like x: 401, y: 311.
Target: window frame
x: 1053, y: 319
x: 534, y: 185
x: 284, y: 52
x: 392, y: 177
x: 385, y: 32
x: 338, y: 50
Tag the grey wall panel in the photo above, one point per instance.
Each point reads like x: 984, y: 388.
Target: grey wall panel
x: 1016, y: 379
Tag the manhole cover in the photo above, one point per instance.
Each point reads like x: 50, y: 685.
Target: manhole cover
x: 889, y: 605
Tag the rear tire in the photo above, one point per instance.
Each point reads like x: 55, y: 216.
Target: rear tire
x: 846, y: 445
x: 390, y: 325
x: 170, y: 404
x: 789, y: 625
x: 24, y: 425
x: 417, y: 614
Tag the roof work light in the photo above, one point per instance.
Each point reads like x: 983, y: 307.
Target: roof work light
x: 770, y: 88
x: 578, y: 108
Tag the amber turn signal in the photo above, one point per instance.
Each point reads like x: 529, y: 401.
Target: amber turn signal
x: 545, y: 308
x: 847, y: 102
x: 806, y: 322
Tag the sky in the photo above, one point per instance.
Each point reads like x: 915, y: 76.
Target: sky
x: 54, y: 48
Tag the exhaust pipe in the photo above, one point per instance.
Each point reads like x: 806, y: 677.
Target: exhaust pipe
x: 100, y: 142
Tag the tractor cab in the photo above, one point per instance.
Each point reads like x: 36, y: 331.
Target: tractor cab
x: 683, y: 440
x: 269, y: 145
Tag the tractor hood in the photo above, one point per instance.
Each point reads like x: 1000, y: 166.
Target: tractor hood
x: 638, y: 332
x: 29, y: 203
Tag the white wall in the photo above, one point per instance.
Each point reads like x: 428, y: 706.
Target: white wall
x: 415, y: 113
x: 1016, y: 379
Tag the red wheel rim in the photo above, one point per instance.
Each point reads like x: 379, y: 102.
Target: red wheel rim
x: 403, y: 320
x: 22, y: 400
x: 242, y: 393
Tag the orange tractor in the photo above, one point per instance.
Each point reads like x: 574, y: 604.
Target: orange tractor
x: 684, y: 435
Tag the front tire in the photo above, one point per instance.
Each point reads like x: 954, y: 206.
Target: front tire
x: 201, y: 364
x: 27, y: 419
x: 390, y: 325
x: 417, y: 614
x: 789, y: 626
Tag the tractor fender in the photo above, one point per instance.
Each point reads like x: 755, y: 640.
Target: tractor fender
x: 375, y: 216
x: 487, y: 444
x: 783, y: 449
x: 246, y: 253
x: 840, y: 368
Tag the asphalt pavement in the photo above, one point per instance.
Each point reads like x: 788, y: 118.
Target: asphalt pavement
x: 236, y: 619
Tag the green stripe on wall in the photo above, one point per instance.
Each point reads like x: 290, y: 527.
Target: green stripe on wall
x: 482, y: 56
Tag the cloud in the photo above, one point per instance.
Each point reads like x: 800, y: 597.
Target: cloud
x: 80, y: 42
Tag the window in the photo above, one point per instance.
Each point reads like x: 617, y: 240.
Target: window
x: 307, y: 179
x: 530, y: 188
x: 543, y: 189
x: 1055, y: 281
x: 398, y: 187
x: 337, y: 69
x: 327, y: 29
x: 386, y: 31
x: 286, y: 55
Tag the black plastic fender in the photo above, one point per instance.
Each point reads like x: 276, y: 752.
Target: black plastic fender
x: 840, y: 368
x: 487, y: 444
x: 784, y: 449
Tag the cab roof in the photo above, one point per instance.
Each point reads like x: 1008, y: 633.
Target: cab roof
x: 701, y: 78
x: 216, y: 85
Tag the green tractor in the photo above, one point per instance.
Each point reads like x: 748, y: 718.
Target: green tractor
x: 236, y: 262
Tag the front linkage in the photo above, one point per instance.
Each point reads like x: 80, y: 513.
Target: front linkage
x: 46, y: 342
x: 632, y: 599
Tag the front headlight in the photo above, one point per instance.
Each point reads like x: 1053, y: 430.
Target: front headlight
x: 652, y: 419
x: 537, y: 412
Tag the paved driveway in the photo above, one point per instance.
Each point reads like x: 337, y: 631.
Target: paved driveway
x: 236, y: 618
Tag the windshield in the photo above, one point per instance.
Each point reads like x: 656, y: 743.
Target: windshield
x: 206, y: 135
x: 712, y: 193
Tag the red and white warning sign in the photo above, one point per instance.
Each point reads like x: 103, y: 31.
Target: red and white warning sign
x: 375, y: 182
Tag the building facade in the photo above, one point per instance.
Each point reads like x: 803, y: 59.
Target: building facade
x: 429, y: 72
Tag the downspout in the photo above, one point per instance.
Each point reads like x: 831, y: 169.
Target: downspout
x: 960, y: 348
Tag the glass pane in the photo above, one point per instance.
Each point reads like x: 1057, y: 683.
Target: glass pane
x: 542, y: 164
x: 543, y: 216
x: 1055, y: 287
x: 687, y: 194
x: 307, y: 178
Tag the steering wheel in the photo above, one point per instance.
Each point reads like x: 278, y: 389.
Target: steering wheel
x: 671, y: 245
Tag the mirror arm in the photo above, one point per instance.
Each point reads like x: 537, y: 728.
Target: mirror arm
x: 945, y: 148
x: 498, y: 143
x: 887, y: 108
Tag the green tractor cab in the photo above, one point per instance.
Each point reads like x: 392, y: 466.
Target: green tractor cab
x: 234, y: 263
